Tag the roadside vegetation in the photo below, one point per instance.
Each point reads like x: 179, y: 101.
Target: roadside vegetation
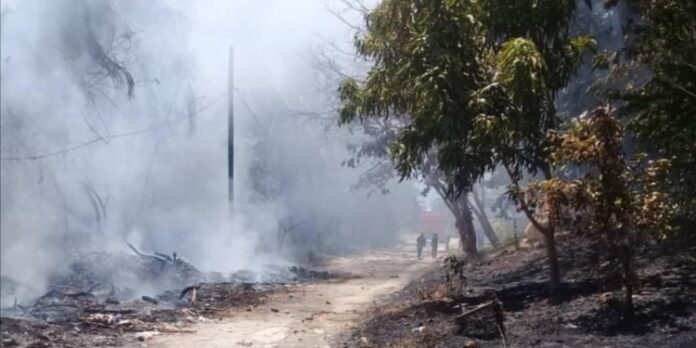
x: 596, y: 138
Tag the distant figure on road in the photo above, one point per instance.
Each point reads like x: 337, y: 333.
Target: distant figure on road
x: 434, y: 245
x: 420, y: 244
x: 447, y: 241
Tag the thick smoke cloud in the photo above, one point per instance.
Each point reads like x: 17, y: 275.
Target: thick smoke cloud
x: 114, y: 130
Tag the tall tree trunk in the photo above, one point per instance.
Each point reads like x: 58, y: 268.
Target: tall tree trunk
x: 548, y: 231
x: 467, y: 235
x: 552, y: 255
x: 459, y: 206
x: 465, y: 227
x: 482, y: 218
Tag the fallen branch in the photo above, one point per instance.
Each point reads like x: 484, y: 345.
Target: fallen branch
x: 151, y: 300
x: 164, y: 256
x: 140, y: 253
x: 109, y: 311
x: 166, y: 330
x: 187, y: 289
x: 94, y: 323
x: 480, y: 308
x: 497, y: 309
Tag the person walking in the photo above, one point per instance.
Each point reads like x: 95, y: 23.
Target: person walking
x: 420, y: 244
x: 434, y: 245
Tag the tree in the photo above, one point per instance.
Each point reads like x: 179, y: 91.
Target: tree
x: 479, y: 211
x: 424, y: 69
x: 661, y: 107
x: 474, y: 81
x: 380, y: 134
x: 624, y: 198
x: 531, y: 58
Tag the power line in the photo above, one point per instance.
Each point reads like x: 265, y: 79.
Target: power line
x: 103, y: 138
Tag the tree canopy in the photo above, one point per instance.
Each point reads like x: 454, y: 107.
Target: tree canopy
x: 662, y: 110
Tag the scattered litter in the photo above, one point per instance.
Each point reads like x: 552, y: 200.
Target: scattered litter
x: 419, y: 330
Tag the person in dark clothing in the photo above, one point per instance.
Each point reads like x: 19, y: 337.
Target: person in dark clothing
x: 434, y: 245
x: 420, y: 244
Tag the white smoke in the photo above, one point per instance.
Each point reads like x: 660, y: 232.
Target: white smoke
x: 88, y: 166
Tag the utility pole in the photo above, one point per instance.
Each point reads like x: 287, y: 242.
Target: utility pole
x: 230, y: 130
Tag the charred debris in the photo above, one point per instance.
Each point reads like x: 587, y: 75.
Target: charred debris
x: 139, y: 292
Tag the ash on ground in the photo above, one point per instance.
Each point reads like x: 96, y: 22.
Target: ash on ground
x: 101, y: 295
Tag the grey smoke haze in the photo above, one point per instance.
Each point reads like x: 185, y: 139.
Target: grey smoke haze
x: 150, y: 168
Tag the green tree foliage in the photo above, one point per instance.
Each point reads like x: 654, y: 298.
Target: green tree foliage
x: 536, y: 57
x: 662, y: 110
x: 425, y: 58
x: 425, y: 67
x: 474, y: 85
x: 473, y: 81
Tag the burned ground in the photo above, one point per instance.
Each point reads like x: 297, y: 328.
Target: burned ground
x: 588, y: 313
x: 101, y: 296
x: 102, y: 324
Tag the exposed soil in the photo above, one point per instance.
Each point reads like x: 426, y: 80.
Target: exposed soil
x: 312, y: 311
x: 391, y: 299
x: 308, y: 315
x: 588, y: 314
x: 93, y: 302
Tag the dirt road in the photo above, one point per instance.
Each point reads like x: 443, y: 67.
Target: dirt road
x: 308, y: 315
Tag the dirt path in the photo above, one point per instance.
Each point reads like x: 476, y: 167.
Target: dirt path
x: 308, y: 315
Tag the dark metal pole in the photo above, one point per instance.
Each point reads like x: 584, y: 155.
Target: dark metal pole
x: 230, y: 129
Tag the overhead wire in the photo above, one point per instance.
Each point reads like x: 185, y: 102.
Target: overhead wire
x: 103, y: 138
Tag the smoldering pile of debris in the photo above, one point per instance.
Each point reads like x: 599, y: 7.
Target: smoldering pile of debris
x: 98, y: 283
x: 121, y: 274
x: 141, y: 292
x: 94, y: 318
